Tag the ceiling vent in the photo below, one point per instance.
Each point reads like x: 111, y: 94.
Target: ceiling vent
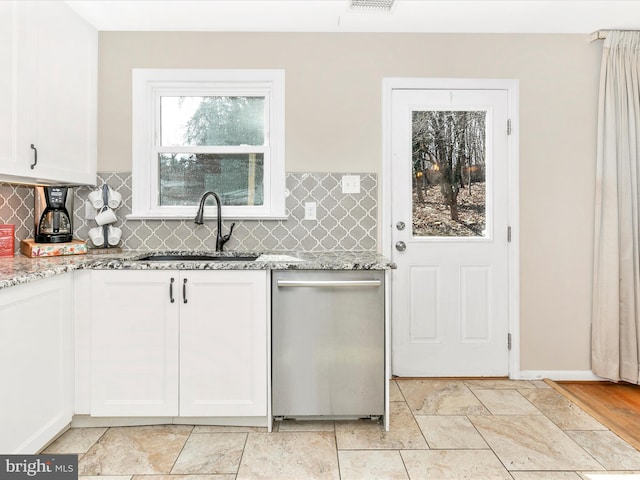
x: 372, y: 5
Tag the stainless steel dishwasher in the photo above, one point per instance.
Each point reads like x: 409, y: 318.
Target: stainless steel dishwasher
x: 328, y: 343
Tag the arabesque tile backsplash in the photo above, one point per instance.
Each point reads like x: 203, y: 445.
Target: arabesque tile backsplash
x: 346, y: 222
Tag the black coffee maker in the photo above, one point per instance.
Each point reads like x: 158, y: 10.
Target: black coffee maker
x: 53, y: 214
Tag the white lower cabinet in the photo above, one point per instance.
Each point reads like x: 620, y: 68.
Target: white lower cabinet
x: 179, y: 343
x: 36, y: 363
x: 223, y: 343
x: 134, y: 344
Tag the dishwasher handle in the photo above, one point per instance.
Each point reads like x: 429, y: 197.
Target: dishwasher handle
x: 329, y: 283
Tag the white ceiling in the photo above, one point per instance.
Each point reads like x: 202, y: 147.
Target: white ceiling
x: 455, y: 16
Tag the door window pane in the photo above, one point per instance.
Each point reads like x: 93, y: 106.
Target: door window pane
x: 449, y: 173
x: 236, y: 178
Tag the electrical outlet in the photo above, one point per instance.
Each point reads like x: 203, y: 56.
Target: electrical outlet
x: 351, y: 184
x: 89, y: 212
x: 310, y: 210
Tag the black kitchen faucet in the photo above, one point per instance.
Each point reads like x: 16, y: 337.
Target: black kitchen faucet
x: 220, y: 239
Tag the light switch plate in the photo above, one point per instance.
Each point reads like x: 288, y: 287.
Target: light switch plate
x: 310, y: 210
x: 351, y: 184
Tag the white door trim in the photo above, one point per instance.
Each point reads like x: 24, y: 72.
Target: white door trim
x: 512, y: 87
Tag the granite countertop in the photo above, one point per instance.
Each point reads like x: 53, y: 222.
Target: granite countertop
x: 21, y: 269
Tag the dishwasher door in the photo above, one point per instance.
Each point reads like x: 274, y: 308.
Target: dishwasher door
x: 328, y: 343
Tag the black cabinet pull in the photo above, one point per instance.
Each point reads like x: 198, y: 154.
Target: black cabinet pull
x: 184, y: 290
x: 35, y: 156
x: 171, y: 290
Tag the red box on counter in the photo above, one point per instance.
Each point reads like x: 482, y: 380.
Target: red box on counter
x: 7, y: 233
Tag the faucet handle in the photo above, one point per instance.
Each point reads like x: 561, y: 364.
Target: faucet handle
x: 225, y: 238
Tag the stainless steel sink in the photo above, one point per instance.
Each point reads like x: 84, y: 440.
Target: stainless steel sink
x: 199, y: 257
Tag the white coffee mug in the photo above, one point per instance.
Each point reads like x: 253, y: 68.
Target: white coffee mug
x: 114, y: 198
x: 106, y: 216
x: 96, y: 199
x: 97, y: 236
x: 113, y: 235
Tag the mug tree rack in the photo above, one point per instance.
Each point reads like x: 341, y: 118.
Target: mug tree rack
x: 105, y: 247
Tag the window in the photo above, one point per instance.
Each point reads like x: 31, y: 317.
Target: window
x: 201, y: 130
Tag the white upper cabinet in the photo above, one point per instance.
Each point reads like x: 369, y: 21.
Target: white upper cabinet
x: 48, y: 81
x: 8, y: 14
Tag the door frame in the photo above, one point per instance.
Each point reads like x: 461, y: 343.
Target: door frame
x: 512, y: 88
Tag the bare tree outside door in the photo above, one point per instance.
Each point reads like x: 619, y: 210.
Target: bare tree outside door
x: 449, y: 173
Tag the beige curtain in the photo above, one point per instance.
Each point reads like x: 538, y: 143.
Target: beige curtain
x: 616, y: 286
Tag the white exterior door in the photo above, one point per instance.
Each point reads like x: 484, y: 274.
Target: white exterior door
x: 449, y: 214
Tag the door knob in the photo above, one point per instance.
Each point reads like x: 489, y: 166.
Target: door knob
x: 401, y: 246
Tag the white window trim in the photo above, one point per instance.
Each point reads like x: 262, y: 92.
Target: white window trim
x: 148, y: 84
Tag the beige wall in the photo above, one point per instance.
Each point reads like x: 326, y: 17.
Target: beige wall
x: 333, y: 123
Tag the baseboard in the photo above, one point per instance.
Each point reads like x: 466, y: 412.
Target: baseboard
x: 578, y: 375
x: 89, y: 421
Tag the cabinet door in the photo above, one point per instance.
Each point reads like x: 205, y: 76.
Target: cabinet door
x: 48, y: 93
x: 8, y: 87
x: 36, y: 361
x: 134, y: 344
x: 223, y: 344
x: 61, y: 82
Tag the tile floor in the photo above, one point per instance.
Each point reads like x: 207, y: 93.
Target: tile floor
x: 440, y: 430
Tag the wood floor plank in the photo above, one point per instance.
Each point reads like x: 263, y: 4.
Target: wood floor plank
x: 615, y: 405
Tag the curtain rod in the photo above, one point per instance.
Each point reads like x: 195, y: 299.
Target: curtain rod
x: 602, y: 34
x: 599, y: 35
